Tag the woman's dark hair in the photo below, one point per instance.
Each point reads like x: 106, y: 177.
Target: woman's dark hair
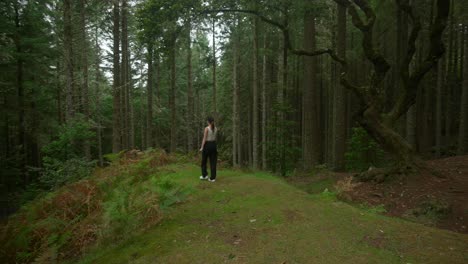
x: 211, y: 121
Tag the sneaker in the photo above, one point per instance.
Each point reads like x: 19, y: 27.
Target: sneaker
x: 203, y: 178
x: 212, y: 180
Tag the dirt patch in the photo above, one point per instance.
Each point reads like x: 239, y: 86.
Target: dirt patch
x: 293, y: 215
x: 377, y: 240
x: 441, y: 197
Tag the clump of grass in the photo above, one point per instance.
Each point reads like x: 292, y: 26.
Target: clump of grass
x: 378, y: 209
x: 429, y: 212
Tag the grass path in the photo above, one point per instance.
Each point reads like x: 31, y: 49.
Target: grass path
x: 258, y: 218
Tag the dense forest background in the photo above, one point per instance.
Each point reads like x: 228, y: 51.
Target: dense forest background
x: 81, y: 79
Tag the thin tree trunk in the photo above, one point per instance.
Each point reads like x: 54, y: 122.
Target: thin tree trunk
x: 116, y: 133
x: 149, y: 95
x: 255, y: 128
x: 264, y: 103
x: 189, y: 93
x: 68, y: 57
x: 235, y: 149
x: 311, y: 95
x: 172, y: 105
x: 339, y: 113
x: 214, y: 67
x: 125, y: 80
x: 20, y: 98
x: 439, y: 97
x: 463, y: 128
x: 449, y: 78
x: 98, y: 101
x: 84, y: 67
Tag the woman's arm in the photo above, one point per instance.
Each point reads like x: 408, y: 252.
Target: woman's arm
x: 205, y: 134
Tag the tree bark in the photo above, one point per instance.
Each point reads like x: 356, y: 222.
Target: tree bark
x: 439, y: 97
x: 125, y: 109
x: 311, y: 98
x: 255, y: 128
x: 214, y: 67
x: 68, y: 57
x: 339, y: 95
x: 84, y: 68
x: 189, y: 92
x: 149, y: 96
x: 172, y: 95
x: 116, y: 123
x: 98, y: 100
x: 20, y: 98
x: 463, y: 128
x: 264, y: 104
x: 235, y: 114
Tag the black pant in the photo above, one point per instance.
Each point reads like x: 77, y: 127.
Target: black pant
x: 209, y: 151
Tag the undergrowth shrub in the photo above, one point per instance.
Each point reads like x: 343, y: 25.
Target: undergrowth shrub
x: 429, y: 212
x: 62, y: 162
x: 363, y: 151
x: 58, y: 173
x: 107, y: 207
x: 283, y: 153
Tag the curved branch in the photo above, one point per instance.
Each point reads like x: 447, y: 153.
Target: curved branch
x: 380, y: 64
x: 436, y: 50
x: 360, y: 91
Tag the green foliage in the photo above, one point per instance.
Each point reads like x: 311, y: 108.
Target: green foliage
x: 378, y: 209
x: 62, y: 162
x: 67, y: 145
x: 109, y: 206
x: 363, y: 151
x: 429, y: 212
x: 58, y: 173
x: 328, y: 195
x: 283, y: 152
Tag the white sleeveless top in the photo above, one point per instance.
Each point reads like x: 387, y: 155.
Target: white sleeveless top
x: 211, y: 134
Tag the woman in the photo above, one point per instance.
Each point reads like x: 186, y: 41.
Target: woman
x: 209, y: 150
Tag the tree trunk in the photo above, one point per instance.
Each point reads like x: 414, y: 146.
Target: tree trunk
x: 20, y: 98
x: 463, y: 128
x: 116, y: 133
x: 98, y: 101
x: 439, y: 97
x: 311, y: 100
x: 255, y: 129
x: 172, y: 105
x: 84, y: 68
x: 189, y: 93
x: 264, y: 104
x: 149, y: 95
x: 339, y: 95
x: 235, y: 149
x: 125, y: 127
x: 388, y: 138
x: 68, y: 58
x: 214, y: 68
x: 449, y: 79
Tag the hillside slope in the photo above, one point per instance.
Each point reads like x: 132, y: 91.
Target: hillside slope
x: 258, y: 218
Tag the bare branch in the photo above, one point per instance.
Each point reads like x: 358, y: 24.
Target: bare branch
x: 381, y: 66
x: 436, y: 50
x: 285, y: 30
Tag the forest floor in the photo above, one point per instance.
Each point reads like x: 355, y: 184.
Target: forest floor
x: 439, y: 199
x: 255, y: 217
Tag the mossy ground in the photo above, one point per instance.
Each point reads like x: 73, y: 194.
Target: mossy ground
x: 255, y: 217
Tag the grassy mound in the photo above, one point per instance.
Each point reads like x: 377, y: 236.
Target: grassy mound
x: 108, y: 206
x: 124, y: 214
x: 247, y: 217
